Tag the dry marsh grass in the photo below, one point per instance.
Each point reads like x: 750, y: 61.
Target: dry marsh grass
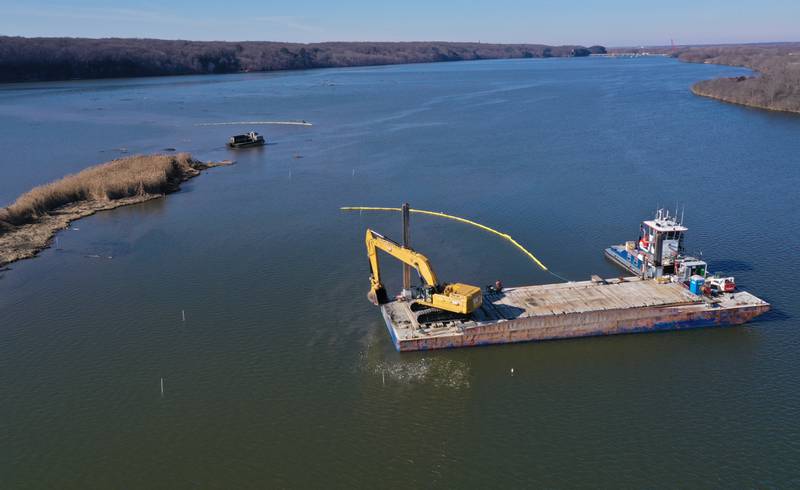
x: 125, y: 177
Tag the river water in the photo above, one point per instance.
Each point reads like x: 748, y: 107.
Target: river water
x: 283, y: 375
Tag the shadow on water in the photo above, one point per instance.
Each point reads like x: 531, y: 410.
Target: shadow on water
x: 775, y: 314
x: 64, y: 244
x: 98, y: 86
x: 153, y: 207
x: 729, y: 265
x: 108, y: 248
x: 101, y: 249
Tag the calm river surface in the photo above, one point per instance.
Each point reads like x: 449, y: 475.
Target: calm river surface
x: 283, y: 375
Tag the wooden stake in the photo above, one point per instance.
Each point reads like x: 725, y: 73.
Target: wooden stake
x: 406, y: 244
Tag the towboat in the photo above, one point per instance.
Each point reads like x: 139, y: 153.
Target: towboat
x: 659, y: 253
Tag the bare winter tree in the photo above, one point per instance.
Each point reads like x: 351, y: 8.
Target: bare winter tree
x: 35, y: 59
x: 776, y: 87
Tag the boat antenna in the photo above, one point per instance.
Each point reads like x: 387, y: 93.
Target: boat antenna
x: 682, y: 212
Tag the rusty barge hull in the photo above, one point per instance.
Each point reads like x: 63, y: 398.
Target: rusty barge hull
x: 570, y: 310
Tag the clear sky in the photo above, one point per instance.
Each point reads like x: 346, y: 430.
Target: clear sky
x: 608, y: 22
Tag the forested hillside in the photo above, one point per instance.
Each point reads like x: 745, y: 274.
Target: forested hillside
x: 38, y: 59
x: 776, y: 86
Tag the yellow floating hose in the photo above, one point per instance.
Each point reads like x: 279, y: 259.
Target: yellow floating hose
x: 455, y: 218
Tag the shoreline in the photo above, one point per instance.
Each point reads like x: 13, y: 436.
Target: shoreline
x: 25, y: 241
x: 771, y: 85
x: 700, y: 93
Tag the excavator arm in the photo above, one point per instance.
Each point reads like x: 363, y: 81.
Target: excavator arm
x: 457, y: 298
x: 376, y: 241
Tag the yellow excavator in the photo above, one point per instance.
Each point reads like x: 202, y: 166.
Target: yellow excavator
x: 455, y: 298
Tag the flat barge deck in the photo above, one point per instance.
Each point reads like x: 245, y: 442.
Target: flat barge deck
x: 569, y: 310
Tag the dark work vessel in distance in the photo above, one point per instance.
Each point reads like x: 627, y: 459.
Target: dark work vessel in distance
x: 246, y: 140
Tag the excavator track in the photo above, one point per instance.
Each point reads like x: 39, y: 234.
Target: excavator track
x: 435, y: 315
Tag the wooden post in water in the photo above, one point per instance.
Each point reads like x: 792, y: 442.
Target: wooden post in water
x: 406, y: 244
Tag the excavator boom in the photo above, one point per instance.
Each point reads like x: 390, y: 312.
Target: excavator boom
x: 456, y: 298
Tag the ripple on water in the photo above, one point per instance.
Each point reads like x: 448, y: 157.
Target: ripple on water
x: 434, y: 371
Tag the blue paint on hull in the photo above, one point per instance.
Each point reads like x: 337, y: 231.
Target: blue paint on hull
x: 623, y: 258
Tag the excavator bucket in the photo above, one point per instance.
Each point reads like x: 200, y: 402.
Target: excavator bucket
x: 377, y: 296
x: 372, y: 297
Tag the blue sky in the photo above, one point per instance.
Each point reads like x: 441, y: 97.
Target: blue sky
x: 609, y: 22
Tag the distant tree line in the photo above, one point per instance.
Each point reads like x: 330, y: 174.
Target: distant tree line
x: 776, y: 87
x: 40, y: 59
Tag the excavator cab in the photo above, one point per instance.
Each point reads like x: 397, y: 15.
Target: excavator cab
x: 456, y: 297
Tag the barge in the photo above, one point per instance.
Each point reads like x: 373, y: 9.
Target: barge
x: 670, y: 291
x: 569, y: 310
